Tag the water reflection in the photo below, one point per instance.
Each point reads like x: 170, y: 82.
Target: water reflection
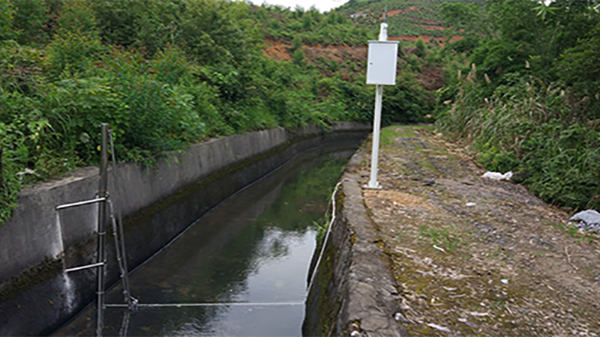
x: 254, y: 248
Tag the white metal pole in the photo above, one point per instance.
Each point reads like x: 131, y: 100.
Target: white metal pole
x: 376, y: 126
x: 377, y: 120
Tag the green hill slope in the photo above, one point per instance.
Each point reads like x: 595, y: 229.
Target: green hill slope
x: 408, y: 17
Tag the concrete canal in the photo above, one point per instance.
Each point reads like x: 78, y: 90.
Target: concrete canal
x: 251, y: 252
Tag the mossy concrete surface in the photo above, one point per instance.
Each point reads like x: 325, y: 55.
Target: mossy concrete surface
x: 354, y: 292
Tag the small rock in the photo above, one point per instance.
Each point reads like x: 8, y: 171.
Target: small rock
x: 391, y: 289
x: 400, y: 318
x: 428, y: 181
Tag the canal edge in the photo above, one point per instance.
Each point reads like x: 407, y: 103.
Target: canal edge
x: 355, y: 293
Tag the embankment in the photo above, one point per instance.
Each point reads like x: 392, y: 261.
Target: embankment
x: 353, y: 288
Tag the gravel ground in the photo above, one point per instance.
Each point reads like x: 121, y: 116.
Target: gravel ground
x: 473, y: 256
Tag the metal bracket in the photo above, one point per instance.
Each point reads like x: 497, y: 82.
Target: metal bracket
x: 76, y: 204
x: 77, y: 268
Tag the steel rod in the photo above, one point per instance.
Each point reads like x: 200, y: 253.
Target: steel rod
x: 101, y: 258
x: 121, y: 243
x: 77, y: 268
x: 124, y: 277
x: 77, y: 204
x: 206, y: 304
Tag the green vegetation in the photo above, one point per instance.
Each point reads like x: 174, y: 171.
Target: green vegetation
x: 387, y: 136
x: 530, y: 100
x: 415, y: 17
x: 167, y: 73
x: 441, y: 236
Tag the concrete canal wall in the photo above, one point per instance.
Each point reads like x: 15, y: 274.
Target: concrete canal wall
x: 354, y: 293
x: 37, y: 243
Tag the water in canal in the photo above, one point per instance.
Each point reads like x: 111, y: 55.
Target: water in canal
x: 255, y: 247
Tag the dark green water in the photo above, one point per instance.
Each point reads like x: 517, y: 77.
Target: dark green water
x: 253, y: 248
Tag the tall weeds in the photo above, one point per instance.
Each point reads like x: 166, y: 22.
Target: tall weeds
x: 538, y: 130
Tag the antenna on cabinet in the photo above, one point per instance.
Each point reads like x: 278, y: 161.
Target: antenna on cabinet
x: 385, y: 15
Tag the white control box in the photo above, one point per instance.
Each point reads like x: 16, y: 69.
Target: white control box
x: 381, y: 66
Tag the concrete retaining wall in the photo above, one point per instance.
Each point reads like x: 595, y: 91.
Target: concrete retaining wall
x: 354, y: 293
x: 37, y: 243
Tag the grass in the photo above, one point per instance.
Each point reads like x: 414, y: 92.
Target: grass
x: 387, y: 135
x: 573, y: 232
x: 440, y: 237
x: 570, y: 230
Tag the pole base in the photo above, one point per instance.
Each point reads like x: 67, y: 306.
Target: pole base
x: 372, y: 185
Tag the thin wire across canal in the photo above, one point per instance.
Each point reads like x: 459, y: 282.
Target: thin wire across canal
x: 206, y: 304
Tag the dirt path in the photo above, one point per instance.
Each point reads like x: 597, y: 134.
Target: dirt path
x: 475, y: 256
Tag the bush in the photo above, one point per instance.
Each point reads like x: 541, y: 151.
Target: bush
x: 493, y: 160
x: 71, y: 54
x: 539, y: 131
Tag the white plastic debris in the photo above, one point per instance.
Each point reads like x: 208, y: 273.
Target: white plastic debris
x: 504, y: 281
x: 587, y: 216
x: 27, y: 171
x: 355, y: 330
x: 437, y: 247
x: 468, y: 323
x: 498, y: 176
x: 439, y: 327
x: 470, y: 204
x: 587, y: 220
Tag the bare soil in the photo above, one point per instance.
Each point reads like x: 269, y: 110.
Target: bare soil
x: 394, y: 12
x: 426, y: 38
x: 473, y: 256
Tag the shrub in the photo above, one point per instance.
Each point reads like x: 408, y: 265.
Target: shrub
x: 540, y: 131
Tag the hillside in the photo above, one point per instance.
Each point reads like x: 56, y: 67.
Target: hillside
x: 168, y: 73
x: 407, y: 19
x: 515, y: 85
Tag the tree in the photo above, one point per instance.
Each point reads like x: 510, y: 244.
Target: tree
x: 579, y: 67
x: 29, y: 21
x: 420, y: 48
x: 6, y: 16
